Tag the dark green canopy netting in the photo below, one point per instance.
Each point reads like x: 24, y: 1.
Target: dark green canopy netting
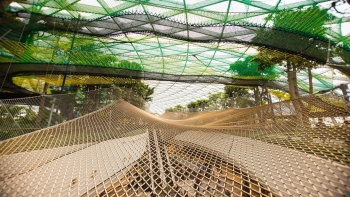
x: 189, y: 41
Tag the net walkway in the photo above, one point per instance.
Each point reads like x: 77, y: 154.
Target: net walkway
x: 291, y: 148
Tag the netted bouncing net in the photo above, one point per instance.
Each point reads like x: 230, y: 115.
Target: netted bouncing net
x: 290, y: 148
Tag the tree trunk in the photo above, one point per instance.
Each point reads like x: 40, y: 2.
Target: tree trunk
x: 293, y: 91
x: 4, y: 5
x: 265, y: 96
x: 290, y: 81
x: 269, y: 101
x: 343, y: 88
x: 257, y: 96
x: 311, y: 90
x: 41, y: 107
x: 295, y: 82
x: 269, y: 97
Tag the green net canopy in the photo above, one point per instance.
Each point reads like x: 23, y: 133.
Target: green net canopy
x: 195, y: 38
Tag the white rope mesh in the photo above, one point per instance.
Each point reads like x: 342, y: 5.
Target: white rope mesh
x: 298, y: 148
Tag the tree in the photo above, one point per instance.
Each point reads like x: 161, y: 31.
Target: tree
x: 170, y: 109
x: 192, y: 106
x: 292, y: 64
x: 234, y: 91
x: 3, y: 6
x: 238, y: 97
x: 88, y: 98
x: 203, y: 104
x: 143, y: 90
x: 177, y: 108
x: 9, y: 126
x: 287, y: 20
x: 129, y: 65
x: 16, y: 120
x: 218, y: 101
x: 136, y: 93
x: 249, y: 67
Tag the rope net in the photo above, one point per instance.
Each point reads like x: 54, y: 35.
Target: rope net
x: 290, y: 148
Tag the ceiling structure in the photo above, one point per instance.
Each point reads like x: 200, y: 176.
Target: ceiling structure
x: 194, y: 41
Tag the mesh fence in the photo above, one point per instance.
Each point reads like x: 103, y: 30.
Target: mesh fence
x: 291, y: 148
x: 24, y: 115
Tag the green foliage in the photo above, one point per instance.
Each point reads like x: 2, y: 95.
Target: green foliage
x: 177, y: 108
x: 143, y: 90
x: 310, y: 20
x: 170, y: 109
x: 232, y: 97
x: 218, y: 101
x: 7, y: 112
x: 342, y: 53
x: 198, y: 105
x: 249, y: 67
x: 192, y: 106
x: 203, y: 104
x: 45, y: 114
x: 233, y: 91
x: 239, y: 97
x: 129, y: 65
x: 17, y: 120
x: 136, y: 93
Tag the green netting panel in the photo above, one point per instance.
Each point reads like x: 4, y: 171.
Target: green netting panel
x: 308, y: 46
x: 144, y: 54
x: 204, y: 13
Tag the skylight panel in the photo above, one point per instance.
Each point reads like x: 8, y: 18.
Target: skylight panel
x: 255, y: 9
x: 219, y: 7
x: 238, y: 7
x: 113, y: 3
x: 194, y: 2
x: 90, y: 2
x: 16, y: 6
x: 63, y: 13
x: 345, y: 29
x: 271, y: 2
x: 157, y: 10
x: 260, y: 19
x: 48, y: 11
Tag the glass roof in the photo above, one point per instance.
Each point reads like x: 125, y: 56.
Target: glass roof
x: 180, y: 38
